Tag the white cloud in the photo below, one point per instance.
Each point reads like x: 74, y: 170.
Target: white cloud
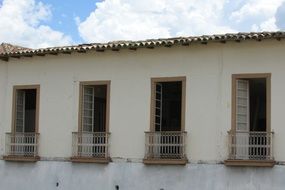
x: 258, y: 15
x: 24, y: 22
x: 280, y: 15
x: 257, y: 9
x: 136, y: 19
x: 21, y: 24
x: 268, y: 25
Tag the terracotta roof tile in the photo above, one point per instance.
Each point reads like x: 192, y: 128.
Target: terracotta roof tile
x: 8, y: 50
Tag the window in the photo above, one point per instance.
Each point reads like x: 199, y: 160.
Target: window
x: 166, y: 139
x: 251, y: 136
x: 94, y: 103
x: 23, y: 141
x: 25, y: 113
x: 91, y: 140
x: 168, y: 102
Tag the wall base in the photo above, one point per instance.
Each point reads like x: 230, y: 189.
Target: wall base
x: 47, y: 175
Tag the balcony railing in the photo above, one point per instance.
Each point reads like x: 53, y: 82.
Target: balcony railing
x: 22, y: 144
x: 250, y: 145
x: 165, y: 145
x: 90, y: 145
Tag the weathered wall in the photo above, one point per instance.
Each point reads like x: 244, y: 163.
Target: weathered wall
x: 208, y: 69
x: 3, y: 90
x: 45, y: 175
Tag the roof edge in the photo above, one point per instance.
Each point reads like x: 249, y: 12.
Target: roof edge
x: 149, y: 43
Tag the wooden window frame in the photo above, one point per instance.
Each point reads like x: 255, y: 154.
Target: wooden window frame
x: 152, y: 117
x: 81, y: 85
x: 85, y: 83
x: 13, y: 123
x: 26, y: 87
x: 267, y: 77
x: 183, y: 99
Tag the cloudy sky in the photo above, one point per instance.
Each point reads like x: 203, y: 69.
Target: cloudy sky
x: 42, y: 23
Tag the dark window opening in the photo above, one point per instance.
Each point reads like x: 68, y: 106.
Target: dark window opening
x: 168, y: 102
x: 100, y: 100
x: 257, y: 105
x: 26, y: 110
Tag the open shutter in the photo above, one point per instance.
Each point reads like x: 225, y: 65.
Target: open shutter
x: 158, y: 106
x: 242, y: 107
x: 158, y: 119
x: 88, y: 109
x: 242, y: 119
x: 20, y: 122
x: 87, y: 121
x: 20, y: 111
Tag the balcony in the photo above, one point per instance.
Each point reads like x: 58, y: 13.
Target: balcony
x: 90, y: 147
x: 167, y: 147
x: 250, y: 149
x: 21, y: 147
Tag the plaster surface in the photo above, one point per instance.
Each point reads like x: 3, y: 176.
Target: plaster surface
x: 49, y: 175
x: 207, y: 68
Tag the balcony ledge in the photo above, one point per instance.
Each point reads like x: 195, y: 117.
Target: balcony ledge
x: 153, y: 161
x: 21, y: 158
x: 77, y: 159
x: 250, y: 163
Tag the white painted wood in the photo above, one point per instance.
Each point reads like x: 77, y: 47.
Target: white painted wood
x: 242, y: 119
x: 88, y: 109
x: 158, y: 118
x: 158, y: 105
x: 20, y: 111
x: 86, y: 136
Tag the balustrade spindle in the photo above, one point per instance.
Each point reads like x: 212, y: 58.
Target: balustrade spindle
x: 165, y: 145
x: 250, y: 145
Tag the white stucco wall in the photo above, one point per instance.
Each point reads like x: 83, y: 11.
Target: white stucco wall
x: 208, y: 69
x: 3, y: 114
x: 45, y: 175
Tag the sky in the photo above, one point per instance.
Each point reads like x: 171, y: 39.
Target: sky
x: 45, y: 23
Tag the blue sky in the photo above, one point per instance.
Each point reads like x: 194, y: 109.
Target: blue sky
x: 64, y: 12
x: 42, y: 23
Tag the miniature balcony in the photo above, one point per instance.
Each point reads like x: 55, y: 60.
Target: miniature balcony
x: 166, y: 147
x: 22, y: 147
x: 90, y: 147
x: 250, y: 149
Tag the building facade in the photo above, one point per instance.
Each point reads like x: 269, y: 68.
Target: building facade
x: 184, y: 113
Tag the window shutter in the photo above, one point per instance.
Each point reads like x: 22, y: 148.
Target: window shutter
x: 20, y: 111
x: 242, y: 105
x: 158, y: 120
x: 88, y: 109
x: 158, y: 106
x: 242, y: 119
